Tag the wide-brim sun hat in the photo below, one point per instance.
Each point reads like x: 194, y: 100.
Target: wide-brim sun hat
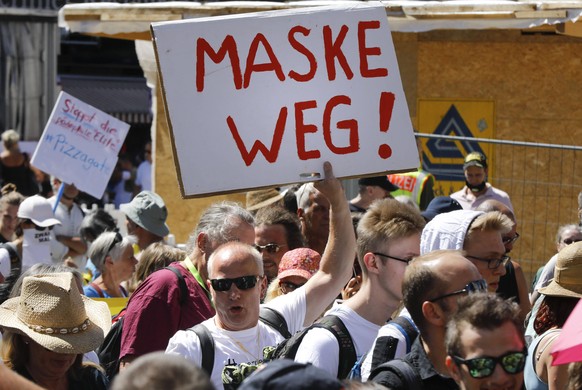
x: 262, y: 198
x: 38, y: 210
x: 52, y: 312
x: 567, y: 280
x: 148, y: 210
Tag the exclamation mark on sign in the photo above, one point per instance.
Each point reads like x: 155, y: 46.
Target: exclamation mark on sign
x: 386, y: 106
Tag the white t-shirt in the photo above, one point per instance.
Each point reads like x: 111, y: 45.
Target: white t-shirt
x: 227, y: 351
x: 144, y: 176
x: 320, y: 347
x: 5, y: 263
x: 391, y: 330
x: 71, y: 227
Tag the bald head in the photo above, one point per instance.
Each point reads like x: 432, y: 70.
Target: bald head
x: 433, y: 275
x: 232, y: 254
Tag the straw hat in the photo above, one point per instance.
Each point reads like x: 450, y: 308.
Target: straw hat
x: 262, y: 198
x: 567, y: 280
x: 53, y: 313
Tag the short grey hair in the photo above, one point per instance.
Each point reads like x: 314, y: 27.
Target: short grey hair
x: 99, y: 249
x: 239, y: 247
x: 303, y: 195
x: 562, y: 229
x: 218, y: 223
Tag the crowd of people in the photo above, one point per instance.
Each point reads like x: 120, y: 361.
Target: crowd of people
x: 301, y: 288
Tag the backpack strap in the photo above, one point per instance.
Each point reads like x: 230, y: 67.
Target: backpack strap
x: 404, y: 370
x: 13, y: 254
x: 181, y: 283
x: 385, y: 347
x: 407, y: 328
x: 275, y: 320
x: 347, y: 352
x: 206, y: 347
x: 98, y: 289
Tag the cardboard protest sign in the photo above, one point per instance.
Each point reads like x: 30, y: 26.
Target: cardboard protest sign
x: 80, y: 144
x: 260, y: 99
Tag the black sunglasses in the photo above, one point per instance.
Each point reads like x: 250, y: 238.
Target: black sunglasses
x: 242, y: 283
x: 270, y: 248
x: 482, y: 367
x: 471, y: 287
x: 492, y: 263
x: 116, y: 240
x: 510, y: 240
x: 392, y: 257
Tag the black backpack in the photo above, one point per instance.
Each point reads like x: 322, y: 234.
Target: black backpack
x: 15, y: 261
x: 109, y: 350
x: 347, y: 354
x: 385, y: 348
x: 404, y: 370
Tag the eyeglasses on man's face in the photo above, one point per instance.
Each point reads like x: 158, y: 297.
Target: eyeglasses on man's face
x: 242, y: 283
x: 510, y: 240
x: 482, y: 367
x: 393, y: 257
x: 492, y: 263
x: 471, y: 287
x: 271, y: 248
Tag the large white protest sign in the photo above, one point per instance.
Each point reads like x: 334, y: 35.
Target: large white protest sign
x: 260, y: 99
x: 80, y: 144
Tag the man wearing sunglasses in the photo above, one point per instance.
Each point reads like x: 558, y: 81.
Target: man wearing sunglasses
x: 155, y: 311
x: 432, y: 284
x: 237, y: 283
x: 277, y: 231
x: 485, y: 345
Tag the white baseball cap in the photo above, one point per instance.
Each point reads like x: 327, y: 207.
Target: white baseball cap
x: 38, y: 210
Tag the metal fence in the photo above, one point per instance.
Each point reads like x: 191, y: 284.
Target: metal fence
x: 542, y: 182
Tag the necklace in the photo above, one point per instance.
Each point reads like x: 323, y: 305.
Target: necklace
x: 255, y: 357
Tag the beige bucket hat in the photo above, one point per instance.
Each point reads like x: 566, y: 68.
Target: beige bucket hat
x: 567, y: 280
x: 53, y: 313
